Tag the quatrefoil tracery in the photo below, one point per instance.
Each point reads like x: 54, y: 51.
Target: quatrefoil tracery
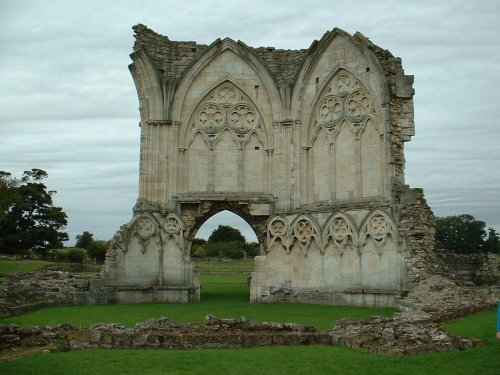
x: 344, y: 100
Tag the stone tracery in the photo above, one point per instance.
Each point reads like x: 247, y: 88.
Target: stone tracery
x: 278, y: 231
x: 144, y: 230
x: 304, y: 231
x: 344, y: 100
x: 379, y: 227
x: 227, y: 107
x: 341, y: 232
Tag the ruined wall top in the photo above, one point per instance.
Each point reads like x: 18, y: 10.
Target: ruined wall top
x: 173, y: 57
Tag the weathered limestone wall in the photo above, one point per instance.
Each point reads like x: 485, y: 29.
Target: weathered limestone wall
x: 305, y: 145
x: 478, y: 268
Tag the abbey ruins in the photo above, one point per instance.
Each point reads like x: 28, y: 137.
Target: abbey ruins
x: 305, y: 145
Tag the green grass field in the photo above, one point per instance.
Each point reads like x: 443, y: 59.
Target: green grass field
x: 226, y: 295
x: 238, y: 266
x: 8, y: 266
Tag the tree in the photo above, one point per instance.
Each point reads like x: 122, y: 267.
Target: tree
x: 84, y: 240
x: 97, y: 250
x: 199, y: 241
x: 492, y: 243
x: 225, y: 233
x: 29, y: 219
x: 8, y: 193
x: 462, y: 233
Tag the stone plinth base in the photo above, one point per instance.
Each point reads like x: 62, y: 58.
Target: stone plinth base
x: 127, y: 294
x: 371, y: 298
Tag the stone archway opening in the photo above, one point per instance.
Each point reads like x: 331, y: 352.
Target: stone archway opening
x: 224, y: 268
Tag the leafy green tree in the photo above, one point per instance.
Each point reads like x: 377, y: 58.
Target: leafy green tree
x: 29, y: 219
x: 225, y: 233
x: 76, y: 255
x: 199, y: 241
x: 97, y: 250
x: 492, y: 243
x: 84, y: 240
x: 8, y: 193
x: 462, y: 233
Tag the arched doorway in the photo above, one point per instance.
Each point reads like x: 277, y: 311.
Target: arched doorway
x: 224, y: 261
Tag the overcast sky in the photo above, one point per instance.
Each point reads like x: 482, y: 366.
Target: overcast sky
x: 68, y: 104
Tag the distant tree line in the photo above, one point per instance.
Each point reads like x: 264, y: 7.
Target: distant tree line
x: 464, y: 234
x: 224, y: 242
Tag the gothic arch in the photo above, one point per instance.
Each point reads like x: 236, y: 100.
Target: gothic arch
x: 343, y: 97
x: 341, y: 230
x: 206, y: 211
x: 225, y: 105
x: 278, y: 230
x: 148, y: 84
x: 379, y: 227
x: 305, y: 230
x: 316, y: 51
x: 143, y: 228
x: 246, y: 55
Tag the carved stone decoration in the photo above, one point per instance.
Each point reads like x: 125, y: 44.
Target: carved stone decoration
x: 242, y: 118
x: 120, y: 239
x: 278, y: 230
x: 173, y: 227
x: 345, y: 100
x: 304, y: 231
x: 342, y: 233
x: 143, y: 230
x: 343, y: 84
x: 226, y: 107
x: 379, y: 227
x: 359, y: 105
x: 211, y: 118
x: 143, y: 205
x: 330, y: 111
x: 227, y: 94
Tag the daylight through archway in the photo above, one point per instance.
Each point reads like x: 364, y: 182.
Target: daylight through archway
x: 223, y: 251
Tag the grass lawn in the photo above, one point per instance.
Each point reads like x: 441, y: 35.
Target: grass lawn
x: 10, y: 266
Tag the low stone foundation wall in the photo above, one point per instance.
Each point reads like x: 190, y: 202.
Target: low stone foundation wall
x: 479, y: 268
x: 397, y: 337
x: 23, y: 292
x: 379, y: 335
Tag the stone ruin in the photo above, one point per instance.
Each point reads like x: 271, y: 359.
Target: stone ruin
x: 305, y: 145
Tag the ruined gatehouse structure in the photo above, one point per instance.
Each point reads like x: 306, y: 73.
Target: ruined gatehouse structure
x: 305, y: 145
